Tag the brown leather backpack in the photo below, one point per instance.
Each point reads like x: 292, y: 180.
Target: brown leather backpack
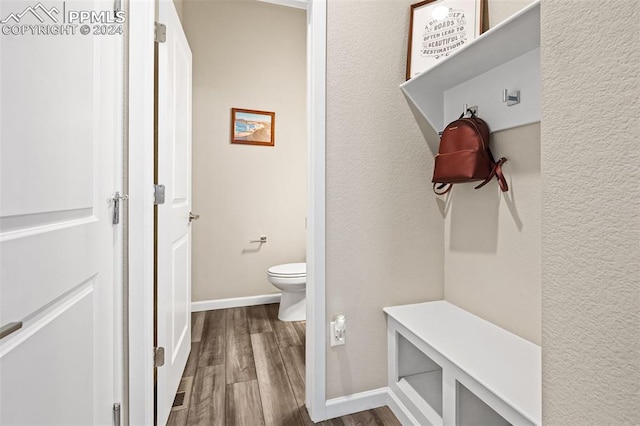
x: 464, y: 156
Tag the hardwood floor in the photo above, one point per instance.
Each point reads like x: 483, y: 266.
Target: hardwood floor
x: 247, y: 368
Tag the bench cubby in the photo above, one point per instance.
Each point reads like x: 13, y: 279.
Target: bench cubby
x: 450, y: 367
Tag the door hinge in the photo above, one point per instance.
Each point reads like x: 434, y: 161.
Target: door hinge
x: 160, y: 32
x: 158, y: 356
x: 158, y: 194
x: 116, y: 414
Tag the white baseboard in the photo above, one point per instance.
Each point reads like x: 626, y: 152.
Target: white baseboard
x: 234, y: 302
x: 356, y: 402
x: 362, y: 401
x: 400, y: 410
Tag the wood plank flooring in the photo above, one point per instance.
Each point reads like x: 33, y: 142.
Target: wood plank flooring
x: 248, y: 369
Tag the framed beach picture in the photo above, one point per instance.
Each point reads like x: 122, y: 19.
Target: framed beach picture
x: 439, y: 28
x: 253, y: 127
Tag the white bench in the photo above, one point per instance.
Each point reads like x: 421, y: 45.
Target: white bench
x: 450, y: 367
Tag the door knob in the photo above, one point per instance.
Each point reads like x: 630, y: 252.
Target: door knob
x: 193, y: 217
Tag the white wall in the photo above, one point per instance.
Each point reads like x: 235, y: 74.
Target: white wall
x: 179, y: 5
x: 590, y: 212
x: 499, y: 10
x: 383, y: 226
x: 246, y: 55
x: 492, y: 239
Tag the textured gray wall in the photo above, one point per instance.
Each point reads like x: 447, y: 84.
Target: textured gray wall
x: 590, y: 212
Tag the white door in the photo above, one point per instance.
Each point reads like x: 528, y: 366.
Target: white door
x: 174, y: 230
x: 60, y: 111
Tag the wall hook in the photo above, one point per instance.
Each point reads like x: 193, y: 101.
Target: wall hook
x: 469, y: 110
x: 511, y: 98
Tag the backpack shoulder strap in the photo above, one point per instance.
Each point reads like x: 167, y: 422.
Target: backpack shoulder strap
x: 497, y: 172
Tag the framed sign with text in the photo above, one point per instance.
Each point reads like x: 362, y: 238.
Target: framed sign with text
x: 439, y: 28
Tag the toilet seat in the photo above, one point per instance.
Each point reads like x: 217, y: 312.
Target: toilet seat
x: 288, y: 270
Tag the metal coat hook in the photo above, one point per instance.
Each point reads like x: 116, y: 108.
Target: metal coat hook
x: 511, y: 98
x: 469, y: 110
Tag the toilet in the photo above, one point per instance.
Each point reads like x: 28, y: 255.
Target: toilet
x: 291, y: 279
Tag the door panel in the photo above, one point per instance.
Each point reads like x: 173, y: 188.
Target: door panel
x: 182, y: 141
x: 33, y: 255
x: 180, y: 295
x: 56, y: 381
x: 174, y: 230
x: 60, y: 130
x: 48, y: 88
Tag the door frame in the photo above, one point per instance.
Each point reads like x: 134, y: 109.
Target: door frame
x: 141, y: 46
x: 315, y: 388
x: 141, y: 166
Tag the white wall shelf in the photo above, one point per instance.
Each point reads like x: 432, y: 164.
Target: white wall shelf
x: 505, y: 57
x: 435, y: 348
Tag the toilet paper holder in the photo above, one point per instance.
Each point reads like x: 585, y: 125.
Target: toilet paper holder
x: 262, y: 240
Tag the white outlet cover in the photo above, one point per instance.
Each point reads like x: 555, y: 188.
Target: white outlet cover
x: 332, y: 337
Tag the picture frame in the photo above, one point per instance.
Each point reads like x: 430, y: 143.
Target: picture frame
x: 438, y: 28
x: 253, y: 127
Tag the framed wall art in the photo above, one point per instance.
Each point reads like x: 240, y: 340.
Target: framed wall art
x: 439, y: 28
x: 252, y: 127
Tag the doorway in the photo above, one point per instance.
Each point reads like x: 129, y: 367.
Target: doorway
x: 141, y: 210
